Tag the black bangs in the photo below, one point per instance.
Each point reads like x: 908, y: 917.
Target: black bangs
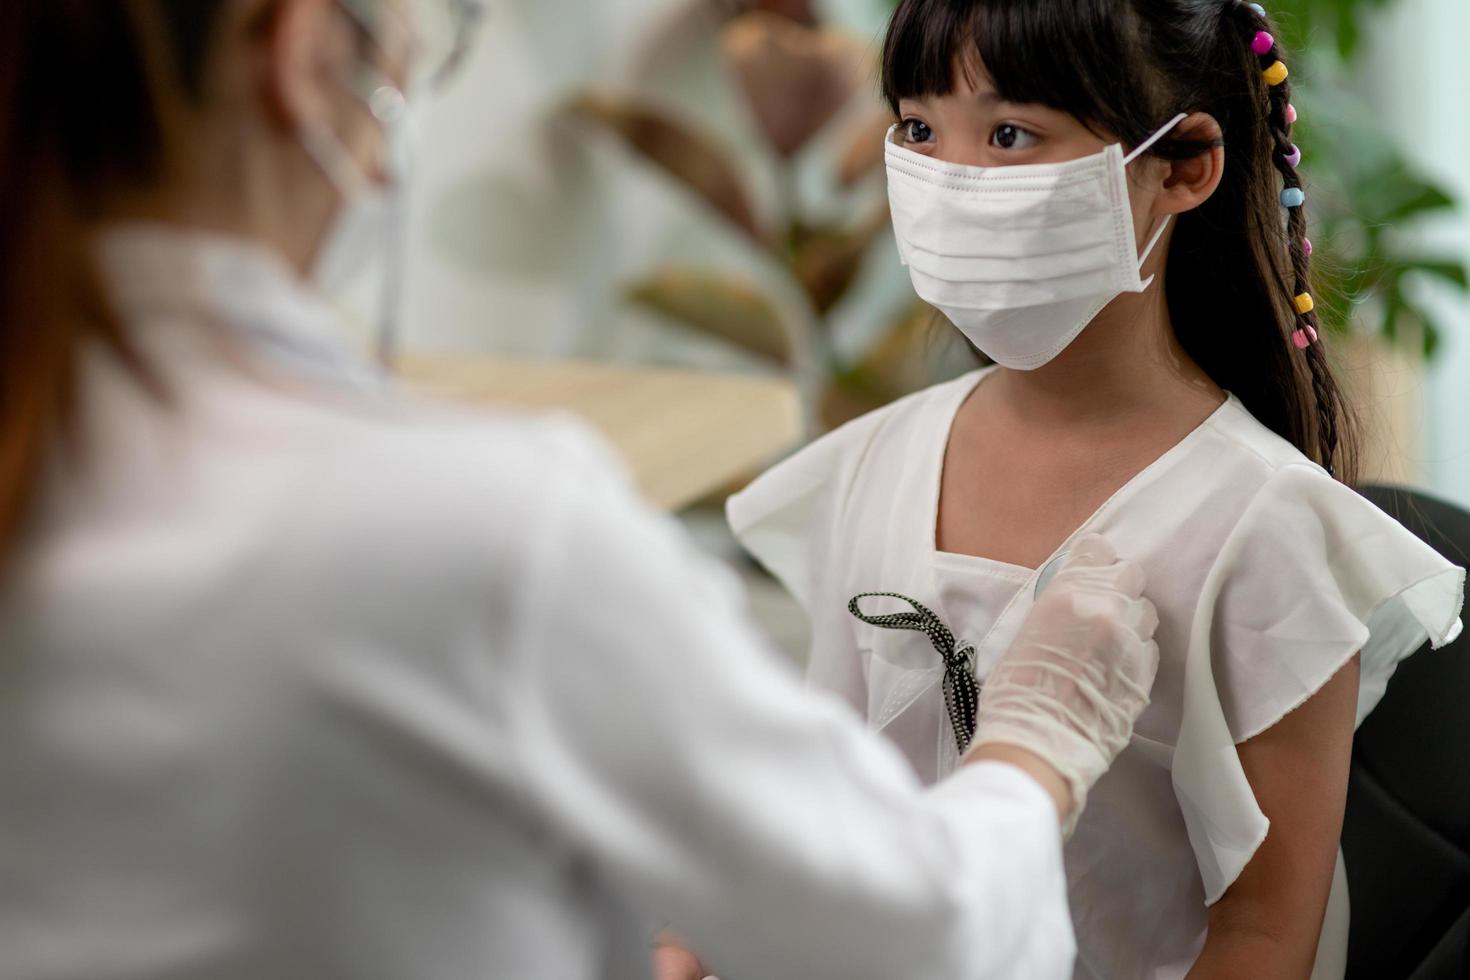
x: 1082, y: 57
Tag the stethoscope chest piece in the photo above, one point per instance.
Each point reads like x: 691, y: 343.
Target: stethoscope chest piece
x: 1048, y: 572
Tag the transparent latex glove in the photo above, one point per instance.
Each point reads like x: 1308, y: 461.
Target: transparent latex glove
x: 1079, y: 672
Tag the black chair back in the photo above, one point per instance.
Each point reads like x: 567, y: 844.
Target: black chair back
x: 1406, y: 835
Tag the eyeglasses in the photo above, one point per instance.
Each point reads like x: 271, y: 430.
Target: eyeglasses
x: 436, y: 34
x: 447, y: 30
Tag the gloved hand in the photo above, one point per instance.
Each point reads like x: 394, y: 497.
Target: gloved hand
x: 1079, y: 672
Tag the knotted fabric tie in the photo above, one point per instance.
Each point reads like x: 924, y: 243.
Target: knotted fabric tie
x: 961, y: 690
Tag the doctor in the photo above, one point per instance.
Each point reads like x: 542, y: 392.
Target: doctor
x: 298, y: 679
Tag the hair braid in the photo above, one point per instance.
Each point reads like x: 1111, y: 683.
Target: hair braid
x: 1331, y: 414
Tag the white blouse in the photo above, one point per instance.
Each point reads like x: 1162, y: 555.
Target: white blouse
x: 303, y: 679
x: 1268, y: 576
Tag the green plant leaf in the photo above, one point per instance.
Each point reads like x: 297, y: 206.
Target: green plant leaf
x: 1394, y: 306
x: 846, y: 399
x: 795, y: 79
x: 693, y: 159
x: 1395, y: 194
x: 1347, y: 36
x: 826, y: 263
x: 1449, y: 270
x: 1311, y: 23
x: 895, y: 365
x: 1430, y: 334
x: 718, y: 306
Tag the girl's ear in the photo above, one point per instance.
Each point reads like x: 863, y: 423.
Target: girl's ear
x: 1189, y: 183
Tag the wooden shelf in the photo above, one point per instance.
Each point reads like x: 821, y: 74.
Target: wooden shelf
x: 685, y: 434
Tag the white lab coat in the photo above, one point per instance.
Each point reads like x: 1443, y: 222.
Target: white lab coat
x: 299, y: 680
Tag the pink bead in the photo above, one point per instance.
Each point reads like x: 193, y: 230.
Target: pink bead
x: 1304, y: 337
x: 1263, y: 43
x: 1290, y: 113
x: 1307, y: 247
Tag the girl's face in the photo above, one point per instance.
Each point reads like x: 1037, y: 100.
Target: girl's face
x: 973, y: 126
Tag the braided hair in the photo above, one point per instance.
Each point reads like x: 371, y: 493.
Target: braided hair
x: 1281, y: 117
x: 1239, y: 286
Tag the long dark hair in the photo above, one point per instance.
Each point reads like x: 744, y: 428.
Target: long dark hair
x: 79, y: 118
x: 1124, y: 68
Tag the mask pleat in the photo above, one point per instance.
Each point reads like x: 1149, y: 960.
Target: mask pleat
x: 1020, y: 258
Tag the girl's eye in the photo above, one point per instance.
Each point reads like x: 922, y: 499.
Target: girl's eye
x: 915, y: 131
x: 1008, y: 137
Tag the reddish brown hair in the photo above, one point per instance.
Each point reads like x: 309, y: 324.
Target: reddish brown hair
x: 78, y: 118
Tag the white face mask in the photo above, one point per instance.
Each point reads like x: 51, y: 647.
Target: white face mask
x: 362, y: 228
x: 1020, y: 258
x: 370, y: 220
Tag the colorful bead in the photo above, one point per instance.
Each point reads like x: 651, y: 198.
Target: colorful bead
x: 1290, y: 113
x: 1276, y: 74
x: 1307, y: 247
x: 1263, y: 43
x: 1304, y: 337
x: 1294, y: 157
x: 1304, y: 304
x: 1293, y: 197
x: 1260, y: 10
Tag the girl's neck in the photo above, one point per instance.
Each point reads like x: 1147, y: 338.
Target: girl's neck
x: 1126, y: 364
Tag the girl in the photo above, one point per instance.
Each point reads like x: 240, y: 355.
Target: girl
x: 1103, y: 196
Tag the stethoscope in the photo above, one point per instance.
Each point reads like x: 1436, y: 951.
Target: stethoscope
x: 1048, y: 572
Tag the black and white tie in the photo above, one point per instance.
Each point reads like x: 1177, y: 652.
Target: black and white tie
x: 961, y: 689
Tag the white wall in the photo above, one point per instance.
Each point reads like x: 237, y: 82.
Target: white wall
x: 1418, y: 77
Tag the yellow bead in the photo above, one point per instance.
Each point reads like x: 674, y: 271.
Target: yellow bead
x: 1304, y: 304
x: 1276, y: 74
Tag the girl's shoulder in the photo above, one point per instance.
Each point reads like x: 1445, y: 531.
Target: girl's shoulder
x: 787, y: 515
x: 1242, y: 433
x: 1216, y: 475
x: 1241, y: 498
x: 902, y: 431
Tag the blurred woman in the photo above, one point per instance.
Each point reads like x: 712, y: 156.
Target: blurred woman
x: 300, y: 679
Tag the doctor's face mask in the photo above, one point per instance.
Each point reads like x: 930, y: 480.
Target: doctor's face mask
x: 421, y: 42
x: 406, y: 48
x: 1020, y: 258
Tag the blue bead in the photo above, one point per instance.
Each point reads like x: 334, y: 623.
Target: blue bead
x: 1293, y: 197
x: 1260, y: 10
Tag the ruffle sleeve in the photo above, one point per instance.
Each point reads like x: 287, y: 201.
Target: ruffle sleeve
x: 1311, y: 575
x: 786, y: 517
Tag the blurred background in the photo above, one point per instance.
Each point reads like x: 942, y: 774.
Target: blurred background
x: 698, y: 184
